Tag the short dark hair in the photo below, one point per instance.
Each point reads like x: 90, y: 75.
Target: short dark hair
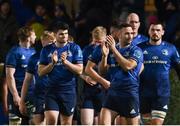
x: 158, y: 23
x: 60, y: 26
x: 123, y: 25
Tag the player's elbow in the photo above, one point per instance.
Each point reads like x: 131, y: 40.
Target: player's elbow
x: 40, y: 72
x: 128, y: 68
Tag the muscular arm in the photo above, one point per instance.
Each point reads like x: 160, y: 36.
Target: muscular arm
x: 93, y: 74
x: 75, y: 68
x: 103, y: 66
x: 5, y: 96
x: 126, y: 64
x: 12, y: 84
x: 27, y: 81
x: 45, y: 69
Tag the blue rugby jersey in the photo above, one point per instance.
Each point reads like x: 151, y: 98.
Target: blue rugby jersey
x: 126, y: 83
x: 40, y: 82
x: 158, y: 60
x: 18, y: 58
x: 139, y: 39
x: 87, y: 51
x: 60, y: 77
x: 120, y: 79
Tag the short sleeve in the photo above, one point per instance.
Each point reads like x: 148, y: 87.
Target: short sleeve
x: 11, y: 59
x: 96, y: 55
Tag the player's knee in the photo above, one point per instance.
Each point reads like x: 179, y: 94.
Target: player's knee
x: 158, y: 117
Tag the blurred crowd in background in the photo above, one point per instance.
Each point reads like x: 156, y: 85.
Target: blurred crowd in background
x: 83, y: 16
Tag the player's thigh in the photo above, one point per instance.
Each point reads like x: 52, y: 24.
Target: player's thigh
x: 87, y: 116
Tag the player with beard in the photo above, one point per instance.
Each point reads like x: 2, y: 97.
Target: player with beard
x: 159, y: 57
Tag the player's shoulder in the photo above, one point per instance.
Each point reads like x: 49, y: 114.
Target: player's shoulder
x: 144, y: 44
x: 73, y: 46
x: 167, y: 44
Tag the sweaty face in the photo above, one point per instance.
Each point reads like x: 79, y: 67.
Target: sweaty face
x: 62, y: 36
x: 126, y: 35
x: 156, y: 32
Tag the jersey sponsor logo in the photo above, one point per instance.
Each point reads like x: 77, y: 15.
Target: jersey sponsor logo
x: 137, y: 53
x: 23, y: 57
x: 155, y: 57
x: 165, y: 52
x: 126, y: 54
x: 155, y: 62
x: 133, y: 111
x: 145, y: 52
x: 69, y: 53
x: 165, y: 107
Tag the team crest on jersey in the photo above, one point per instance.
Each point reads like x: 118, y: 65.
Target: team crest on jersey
x: 23, y: 57
x: 69, y: 53
x: 126, y: 54
x: 145, y: 52
x: 137, y: 53
x: 165, y: 52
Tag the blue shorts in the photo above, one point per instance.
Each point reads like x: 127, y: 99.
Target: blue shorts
x: 92, y: 98
x: 61, y: 101
x: 39, y: 101
x: 147, y: 104
x: 125, y: 106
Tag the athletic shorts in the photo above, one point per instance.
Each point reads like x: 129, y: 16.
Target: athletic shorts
x: 92, y: 98
x: 61, y: 101
x: 39, y: 101
x: 125, y: 106
x: 147, y: 104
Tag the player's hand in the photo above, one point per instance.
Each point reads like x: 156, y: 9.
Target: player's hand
x: 16, y: 100
x: 23, y: 108
x: 106, y: 84
x: 90, y: 81
x: 63, y: 57
x: 104, y: 49
x: 54, y: 57
x: 110, y: 41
